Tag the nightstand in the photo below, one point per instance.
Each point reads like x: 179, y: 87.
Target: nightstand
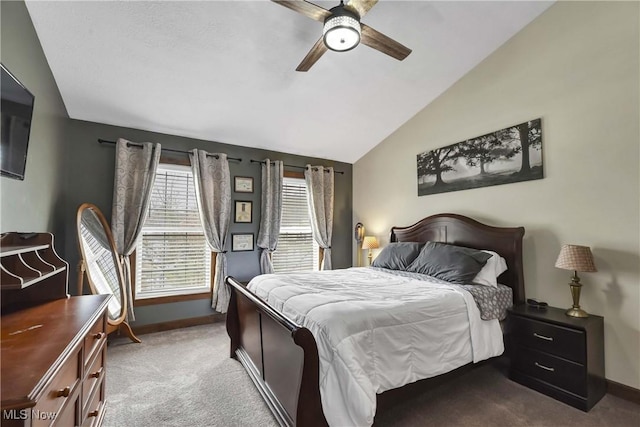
x: 558, y: 355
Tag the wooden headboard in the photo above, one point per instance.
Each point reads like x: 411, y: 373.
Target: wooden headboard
x: 463, y: 231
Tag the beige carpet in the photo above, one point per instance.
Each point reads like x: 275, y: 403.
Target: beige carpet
x: 185, y: 378
x: 180, y: 378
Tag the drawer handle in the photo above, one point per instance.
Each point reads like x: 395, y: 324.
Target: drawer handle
x: 64, y: 392
x: 542, y: 337
x: 99, y: 335
x: 546, y: 368
x: 95, y: 375
x: 93, y: 413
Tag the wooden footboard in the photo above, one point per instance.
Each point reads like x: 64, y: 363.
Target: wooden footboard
x: 280, y: 356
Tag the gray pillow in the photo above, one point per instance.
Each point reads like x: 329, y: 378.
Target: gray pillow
x: 454, y: 264
x: 397, y: 255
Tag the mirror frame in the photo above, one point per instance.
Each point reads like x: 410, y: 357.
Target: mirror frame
x: 82, y: 266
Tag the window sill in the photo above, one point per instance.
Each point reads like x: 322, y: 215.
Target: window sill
x: 171, y: 298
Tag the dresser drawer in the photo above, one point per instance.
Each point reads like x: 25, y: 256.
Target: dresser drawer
x: 562, y: 373
x: 61, y: 388
x: 69, y: 415
x: 549, y: 338
x: 94, y: 339
x: 94, y: 374
x: 94, y: 412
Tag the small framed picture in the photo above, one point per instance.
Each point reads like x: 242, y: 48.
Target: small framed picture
x: 243, y: 184
x: 241, y: 242
x: 243, y: 211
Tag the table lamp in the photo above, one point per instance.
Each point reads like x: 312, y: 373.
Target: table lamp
x: 370, y: 242
x: 576, y: 258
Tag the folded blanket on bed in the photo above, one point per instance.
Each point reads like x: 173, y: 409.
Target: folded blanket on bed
x: 377, y: 331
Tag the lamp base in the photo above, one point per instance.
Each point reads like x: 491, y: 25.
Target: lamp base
x: 575, y: 287
x: 576, y: 312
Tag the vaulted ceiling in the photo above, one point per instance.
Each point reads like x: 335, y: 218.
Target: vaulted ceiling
x: 225, y: 70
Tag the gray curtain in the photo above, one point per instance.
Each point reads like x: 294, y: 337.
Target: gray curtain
x: 135, y: 173
x: 213, y: 192
x: 271, y: 212
x: 320, y: 189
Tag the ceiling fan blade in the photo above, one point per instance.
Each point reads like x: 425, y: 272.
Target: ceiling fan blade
x: 314, y: 54
x: 309, y: 10
x: 384, y: 44
x: 361, y: 7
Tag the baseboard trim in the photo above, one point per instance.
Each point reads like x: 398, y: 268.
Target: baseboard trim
x: 623, y: 391
x: 177, y: 324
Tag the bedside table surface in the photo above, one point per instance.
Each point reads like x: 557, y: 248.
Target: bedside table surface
x: 554, y: 315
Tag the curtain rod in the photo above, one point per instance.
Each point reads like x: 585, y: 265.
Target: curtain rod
x: 294, y: 166
x: 135, y: 144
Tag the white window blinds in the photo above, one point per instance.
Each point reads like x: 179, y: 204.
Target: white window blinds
x: 297, y: 250
x: 106, y: 278
x: 172, y: 256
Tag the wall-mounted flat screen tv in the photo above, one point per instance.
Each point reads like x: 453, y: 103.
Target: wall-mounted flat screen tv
x: 16, y: 109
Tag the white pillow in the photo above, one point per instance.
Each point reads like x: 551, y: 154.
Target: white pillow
x: 495, y: 266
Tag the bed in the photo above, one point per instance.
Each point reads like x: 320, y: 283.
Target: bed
x: 282, y: 356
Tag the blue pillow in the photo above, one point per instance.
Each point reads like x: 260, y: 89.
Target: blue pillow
x: 455, y: 264
x: 397, y: 255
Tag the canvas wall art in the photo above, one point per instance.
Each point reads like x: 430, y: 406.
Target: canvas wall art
x: 505, y: 156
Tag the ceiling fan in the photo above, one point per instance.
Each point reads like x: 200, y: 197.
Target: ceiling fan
x: 343, y: 30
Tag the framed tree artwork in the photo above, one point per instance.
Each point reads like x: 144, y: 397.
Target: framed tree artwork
x: 505, y: 156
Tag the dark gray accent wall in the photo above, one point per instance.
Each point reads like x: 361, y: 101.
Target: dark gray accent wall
x: 67, y: 167
x: 90, y: 169
x: 33, y: 204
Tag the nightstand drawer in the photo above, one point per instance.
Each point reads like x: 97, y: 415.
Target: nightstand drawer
x: 549, y: 338
x: 553, y: 370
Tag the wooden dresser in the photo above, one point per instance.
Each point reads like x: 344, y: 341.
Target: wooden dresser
x: 53, y: 347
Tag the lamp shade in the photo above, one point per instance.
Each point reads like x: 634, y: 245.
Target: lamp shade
x: 370, y: 242
x: 577, y: 258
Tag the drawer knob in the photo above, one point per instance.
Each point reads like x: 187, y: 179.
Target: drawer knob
x: 99, y: 335
x: 64, y: 392
x: 546, y: 368
x: 95, y: 375
x: 542, y: 337
x: 93, y: 413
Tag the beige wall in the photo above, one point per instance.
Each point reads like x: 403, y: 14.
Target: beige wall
x: 577, y: 67
x: 35, y: 203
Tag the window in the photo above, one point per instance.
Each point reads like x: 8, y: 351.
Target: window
x: 297, y: 249
x: 172, y: 256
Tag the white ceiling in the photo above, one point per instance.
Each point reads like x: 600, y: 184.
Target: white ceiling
x: 225, y: 70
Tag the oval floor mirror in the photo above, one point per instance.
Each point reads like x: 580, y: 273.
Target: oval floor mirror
x: 99, y: 261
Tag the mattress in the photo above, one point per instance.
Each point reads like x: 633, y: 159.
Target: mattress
x: 376, y: 331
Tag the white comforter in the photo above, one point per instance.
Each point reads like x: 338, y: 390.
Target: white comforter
x: 376, y: 331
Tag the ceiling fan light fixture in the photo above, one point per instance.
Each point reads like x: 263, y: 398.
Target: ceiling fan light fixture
x: 341, y: 30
